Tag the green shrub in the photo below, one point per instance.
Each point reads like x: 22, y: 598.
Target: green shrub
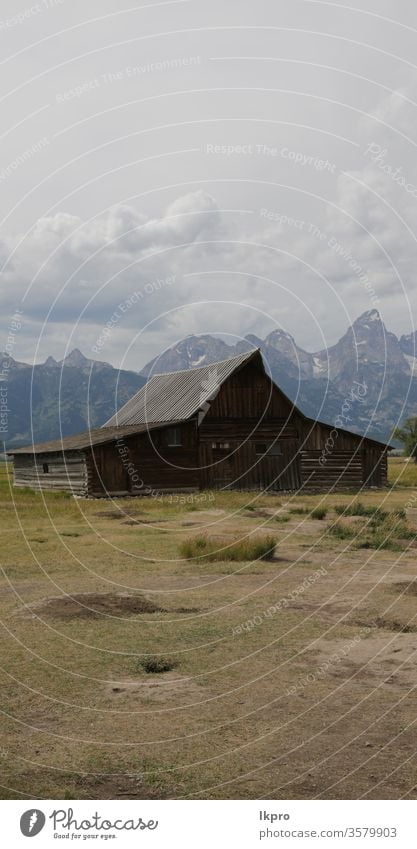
x: 360, y: 509
x: 391, y: 533
x: 319, y: 513
x: 203, y: 548
x: 340, y: 531
x: 383, y: 530
x: 299, y: 511
x: 157, y: 665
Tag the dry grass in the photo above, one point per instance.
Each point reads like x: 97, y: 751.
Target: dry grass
x: 319, y: 513
x: 381, y: 530
x: 202, y: 548
x: 402, y: 472
x: 249, y: 709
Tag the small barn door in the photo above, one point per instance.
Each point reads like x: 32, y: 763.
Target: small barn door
x: 223, y: 465
x: 280, y: 470
x: 111, y: 469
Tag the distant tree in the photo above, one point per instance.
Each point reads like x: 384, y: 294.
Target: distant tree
x: 408, y: 436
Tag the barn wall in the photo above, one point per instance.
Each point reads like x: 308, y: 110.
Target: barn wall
x: 248, y: 393
x: 335, y: 460
x: 145, y: 464
x: 375, y: 467
x: 249, y: 410
x: 65, y: 472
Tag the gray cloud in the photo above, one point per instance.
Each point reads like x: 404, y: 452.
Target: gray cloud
x: 249, y: 175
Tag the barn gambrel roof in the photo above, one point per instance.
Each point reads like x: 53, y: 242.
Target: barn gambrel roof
x: 179, y: 395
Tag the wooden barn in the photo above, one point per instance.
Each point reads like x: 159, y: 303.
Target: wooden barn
x: 223, y: 426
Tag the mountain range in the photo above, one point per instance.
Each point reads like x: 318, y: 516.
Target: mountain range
x: 367, y: 381
x: 61, y: 398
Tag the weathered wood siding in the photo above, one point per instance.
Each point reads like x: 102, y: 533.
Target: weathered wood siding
x: 249, y: 411
x: 335, y: 460
x: 375, y: 466
x: 65, y: 472
x: 145, y: 464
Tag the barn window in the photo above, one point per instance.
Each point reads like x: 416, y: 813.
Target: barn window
x: 221, y: 446
x: 45, y: 468
x: 174, y: 437
x: 273, y: 450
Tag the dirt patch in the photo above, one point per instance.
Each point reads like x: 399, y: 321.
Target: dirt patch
x: 148, y: 522
x: 327, y: 612
x: 134, y: 522
x: 117, y: 787
x: 406, y: 587
x: 168, y: 688
x: 258, y: 513
x: 119, y: 514
x: 393, y: 625
x: 114, y: 786
x: 92, y: 605
x: 387, y: 625
x: 376, y: 658
x: 110, y: 514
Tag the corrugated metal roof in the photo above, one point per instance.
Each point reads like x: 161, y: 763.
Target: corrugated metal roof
x: 87, y: 439
x: 178, y: 394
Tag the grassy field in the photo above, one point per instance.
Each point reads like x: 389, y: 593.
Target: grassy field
x: 141, y: 661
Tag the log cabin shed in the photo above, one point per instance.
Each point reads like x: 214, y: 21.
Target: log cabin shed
x: 222, y: 426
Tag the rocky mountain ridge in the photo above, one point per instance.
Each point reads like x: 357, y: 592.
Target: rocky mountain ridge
x: 320, y: 382
x: 77, y: 393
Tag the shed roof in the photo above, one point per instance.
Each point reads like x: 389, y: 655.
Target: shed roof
x: 86, y: 439
x: 179, y: 394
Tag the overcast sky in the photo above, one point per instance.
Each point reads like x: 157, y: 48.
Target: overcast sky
x: 222, y: 167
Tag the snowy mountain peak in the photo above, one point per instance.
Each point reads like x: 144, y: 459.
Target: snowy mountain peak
x: 368, y: 318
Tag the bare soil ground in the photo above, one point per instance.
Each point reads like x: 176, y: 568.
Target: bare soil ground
x: 294, y: 678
